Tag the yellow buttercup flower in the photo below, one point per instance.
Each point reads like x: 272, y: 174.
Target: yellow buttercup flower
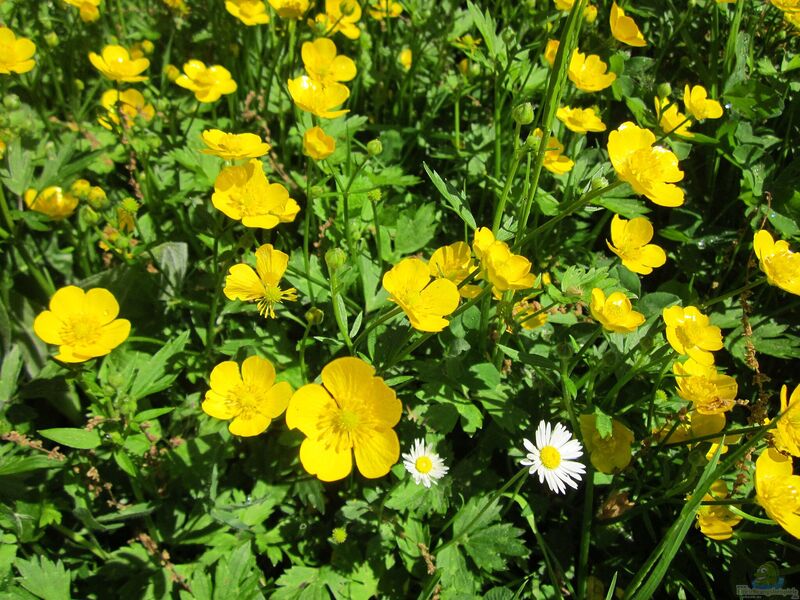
x: 207, y: 83
x: 51, y: 201
x: 505, y: 270
x: 341, y: 16
x: 249, y: 400
x: 129, y: 103
x: 384, y: 9
x: 630, y: 241
x: 671, y: 120
x: 352, y: 412
x: 786, y: 5
x: 88, y: 9
x: 650, y: 170
x: 580, y: 120
x: 84, y: 325
x: 179, y: 6
x: 778, y: 262
x: 233, y: 146
x: 262, y: 284
x: 710, y: 392
x: 716, y: 521
x: 614, y: 313
x: 528, y: 314
x: 116, y: 64
x: 589, y: 13
x: 249, y: 12
x: 16, y: 54
x: 424, y: 302
x: 624, y: 28
x: 697, y: 104
x: 290, y: 9
x: 317, y: 144
x: 689, y: 332
x: 611, y: 453
x: 554, y: 159
x: 778, y: 490
x: 318, y: 98
x: 454, y: 262
x: 244, y: 194
x: 588, y: 73
x: 323, y: 65
x: 787, y: 432
x: 550, y: 51
x: 406, y: 58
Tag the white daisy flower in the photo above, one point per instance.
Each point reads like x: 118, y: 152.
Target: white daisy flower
x: 424, y: 465
x: 552, y: 457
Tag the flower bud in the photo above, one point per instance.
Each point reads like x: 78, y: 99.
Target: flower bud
x: 51, y: 39
x: 335, y: 258
x: 172, y: 72
x: 89, y: 216
x: 79, y: 85
x: 664, y: 90
x: 374, y: 147
x: 130, y: 205
x: 97, y: 197
x: 523, y: 114
x: 316, y: 191
x: 314, y: 316
x: 81, y: 188
x: 338, y: 535
x: 147, y: 47
x: 11, y: 102
x: 374, y: 195
x: 509, y: 36
x: 599, y: 182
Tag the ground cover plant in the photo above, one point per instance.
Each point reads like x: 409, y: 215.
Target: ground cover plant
x: 355, y: 299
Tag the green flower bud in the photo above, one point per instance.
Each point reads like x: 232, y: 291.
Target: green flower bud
x: 11, y: 102
x: 374, y: 195
x: 316, y: 191
x: 338, y: 535
x: 374, y: 147
x: 314, y: 316
x: 81, y: 188
x: 79, y: 85
x: 523, y: 114
x: 97, y: 197
x: 89, y: 216
x: 335, y: 258
x: 664, y: 90
x: 599, y: 182
x: 51, y: 39
x: 129, y: 205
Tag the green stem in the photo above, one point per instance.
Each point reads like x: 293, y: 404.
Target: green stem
x: 338, y: 312
x: 736, y: 292
x: 373, y: 323
x: 586, y: 534
x: 512, y: 171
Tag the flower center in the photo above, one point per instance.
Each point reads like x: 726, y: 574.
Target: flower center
x: 348, y: 420
x: 550, y: 457
x: 423, y: 464
x: 81, y: 330
x: 245, y: 400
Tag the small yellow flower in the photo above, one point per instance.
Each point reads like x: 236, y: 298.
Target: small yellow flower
x: 550, y: 51
x: 249, y: 12
x: 384, y: 9
x: 84, y: 325
x: 129, y: 103
x: 786, y: 5
x: 116, y: 64
x: 179, y: 6
x: 717, y: 521
x: 589, y: 13
x: 290, y: 9
x: 467, y: 43
x: 529, y: 315
x: 689, y: 332
x: 614, y: 313
x: 588, y: 73
x: 787, y: 433
x: 2, y: 148
x: 323, y: 65
x: 341, y: 16
x: 250, y: 400
x: 172, y: 72
x: 671, y: 120
x: 580, y: 120
x: 554, y: 159
x: 16, y: 54
x: 608, y: 454
x: 650, y: 170
x: 424, y: 302
x: 51, y: 201
x: 709, y: 391
x: 88, y: 9
x: 778, y: 490
x: 454, y: 262
x: 80, y: 188
x: 318, y: 98
x: 317, y: 144
x: 778, y: 262
x: 233, y: 146
x: 406, y: 58
x: 624, y: 28
x: 262, y: 284
x: 244, y: 194
x: 697, y: 104
x: 503, y: 269
x: 352, y: 412
x: 630, y: 241
x: 207, y: 83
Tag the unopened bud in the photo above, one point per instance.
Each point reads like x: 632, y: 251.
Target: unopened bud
x: 523, y: 114
x: 129, y: 205
x: 374, y: 147
x: 314, y: 316
x: 599, y: 182
x: 51, y: 39
x: 335, y: 258
x: 11, y: 102
x: 664, y: 90
x: 97, y: 197
x: 374, y: 195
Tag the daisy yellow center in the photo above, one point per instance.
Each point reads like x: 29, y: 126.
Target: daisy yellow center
x: 550, y: 457
x: 245, y: 400
x: 81, y: 330
x: 423, y: 464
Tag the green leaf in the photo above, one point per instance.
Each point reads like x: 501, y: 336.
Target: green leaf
x: 151, y: 377
x: 457, y: 200
x: 486, y: 541
x: 72, y: 437
x: 307, y: 583
x: 413, y: 234
x: 9, y: 373
x: 44, y: 578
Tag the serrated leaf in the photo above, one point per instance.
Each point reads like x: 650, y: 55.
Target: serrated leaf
x: 457, y: 201
x: 414, y: 233
x: 43, y: 578
x: 152, y: 376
